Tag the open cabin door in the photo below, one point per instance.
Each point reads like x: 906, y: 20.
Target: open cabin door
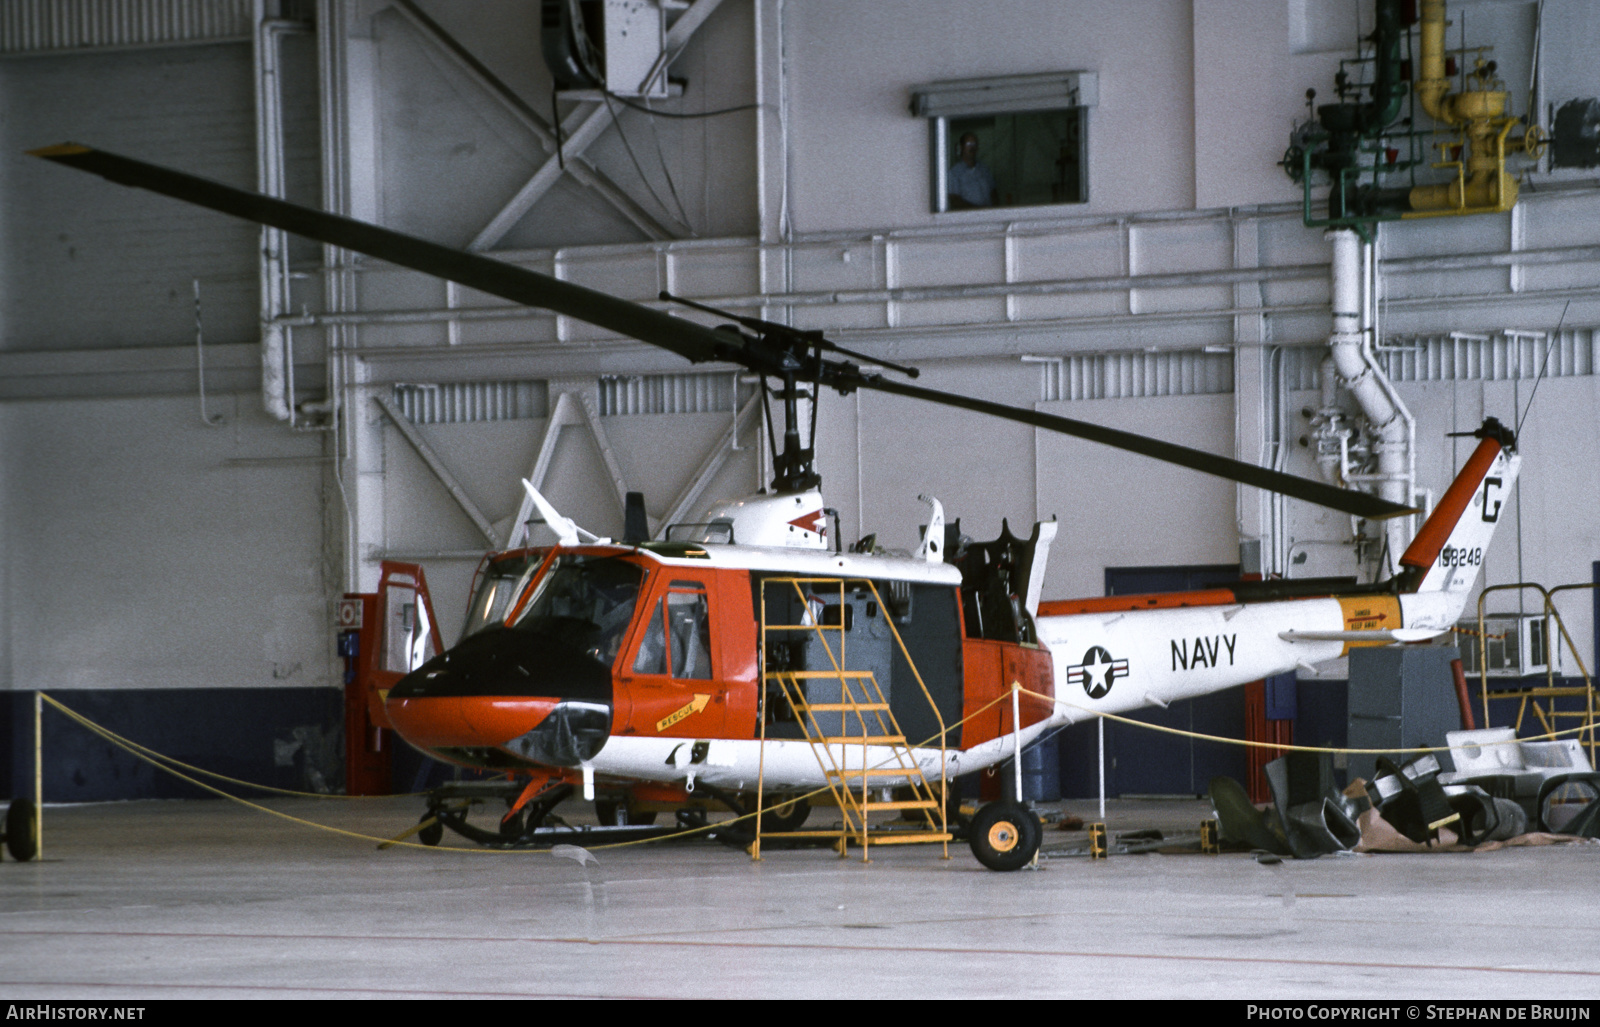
x: 410, y: 630
x: 383, y: 637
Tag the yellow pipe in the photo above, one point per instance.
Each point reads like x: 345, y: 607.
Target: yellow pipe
x: 1494, y: 193
x: 1432, y: 84
x: 1481, y: 186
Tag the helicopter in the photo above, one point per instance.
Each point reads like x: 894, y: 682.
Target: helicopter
x: 750, y: 660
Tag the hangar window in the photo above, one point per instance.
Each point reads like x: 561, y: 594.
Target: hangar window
x: 1018, y: 141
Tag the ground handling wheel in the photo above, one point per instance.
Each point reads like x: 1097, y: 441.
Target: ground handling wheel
x: 433, y: 834
x: 22, y: 830
x: 781, y: 817
x: 1005, y: 836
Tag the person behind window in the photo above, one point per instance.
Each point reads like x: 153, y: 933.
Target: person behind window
x: 969, y: 183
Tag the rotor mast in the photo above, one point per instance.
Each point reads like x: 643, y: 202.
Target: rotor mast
x: 783, y: 352
x: 794, y: 469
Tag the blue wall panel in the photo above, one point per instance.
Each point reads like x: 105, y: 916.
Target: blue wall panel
x: 282, y: 737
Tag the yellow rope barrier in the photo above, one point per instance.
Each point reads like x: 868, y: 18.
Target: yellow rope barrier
x: 161, y: 762
x: 111, y: 737
x: 1286, y: 746
x: 136, y: 748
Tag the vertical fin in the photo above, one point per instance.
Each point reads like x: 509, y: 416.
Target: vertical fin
x: 1448, y: 552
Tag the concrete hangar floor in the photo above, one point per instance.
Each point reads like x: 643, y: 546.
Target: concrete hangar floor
x: 208, y: 899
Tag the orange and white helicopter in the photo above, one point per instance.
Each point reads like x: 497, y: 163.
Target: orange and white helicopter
x: 707, y: 662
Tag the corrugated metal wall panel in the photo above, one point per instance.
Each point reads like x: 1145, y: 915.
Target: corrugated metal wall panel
x: 468, y: 402
x: 1300, y: 365
x: 1137, y: 375
x: 1463, y: 357
x: 39, y: 26
x: 632, y: 395
x: 1459, y: 357
x: 84, y: 265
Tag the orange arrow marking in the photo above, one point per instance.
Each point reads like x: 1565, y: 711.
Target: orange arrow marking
x: 695, y: 705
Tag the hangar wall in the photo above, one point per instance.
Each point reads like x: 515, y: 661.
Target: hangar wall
x: 160, y: 570
x: 1170, y: 303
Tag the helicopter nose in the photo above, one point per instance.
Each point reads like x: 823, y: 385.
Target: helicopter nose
x: 527, y: 698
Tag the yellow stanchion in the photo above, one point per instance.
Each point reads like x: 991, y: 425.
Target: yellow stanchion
x: 38, y: 775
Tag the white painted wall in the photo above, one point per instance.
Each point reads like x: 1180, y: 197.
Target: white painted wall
x: 143, y: 549
x: 859, y: 158
x: 1118, y: 510
x: 147, y: 550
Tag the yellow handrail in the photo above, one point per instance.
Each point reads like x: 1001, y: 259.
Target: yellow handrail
x: 1550, y: 613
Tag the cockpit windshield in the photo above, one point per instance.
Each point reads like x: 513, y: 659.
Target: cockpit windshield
x: 503, y: 582
x: 587, y: 600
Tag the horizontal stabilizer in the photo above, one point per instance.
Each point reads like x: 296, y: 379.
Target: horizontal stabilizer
x: 1392, y: 635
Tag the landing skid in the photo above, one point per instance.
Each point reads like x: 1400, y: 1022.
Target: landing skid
x: 535, y: 826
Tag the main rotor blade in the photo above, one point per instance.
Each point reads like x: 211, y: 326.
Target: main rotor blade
x: 685, y: 338
x: 1361, y: 504
x: 495, y: 277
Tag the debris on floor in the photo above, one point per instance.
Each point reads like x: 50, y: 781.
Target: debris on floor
x: 1519, y: 794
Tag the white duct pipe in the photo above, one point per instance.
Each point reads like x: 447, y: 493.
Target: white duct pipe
x: 277, y: 371
x: 274, y: 377
x: 1360, y: 374
x: 1329, y: 424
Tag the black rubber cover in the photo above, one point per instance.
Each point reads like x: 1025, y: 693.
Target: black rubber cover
x: 510, y: 662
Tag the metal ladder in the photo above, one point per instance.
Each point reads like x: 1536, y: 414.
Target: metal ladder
x: 1587, y: 714
x: 884, y: 758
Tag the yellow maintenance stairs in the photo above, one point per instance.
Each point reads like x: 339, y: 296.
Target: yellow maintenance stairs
x: 867, y: 763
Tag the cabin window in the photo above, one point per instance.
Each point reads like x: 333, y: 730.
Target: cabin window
x: 679, y: 635
x: 1016, y: 141
x: 407, y: 639
x: 717, y: 532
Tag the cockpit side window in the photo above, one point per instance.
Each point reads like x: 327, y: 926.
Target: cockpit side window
x: 679, y: 635
x: 652, y: 658
x: 691, y: 634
